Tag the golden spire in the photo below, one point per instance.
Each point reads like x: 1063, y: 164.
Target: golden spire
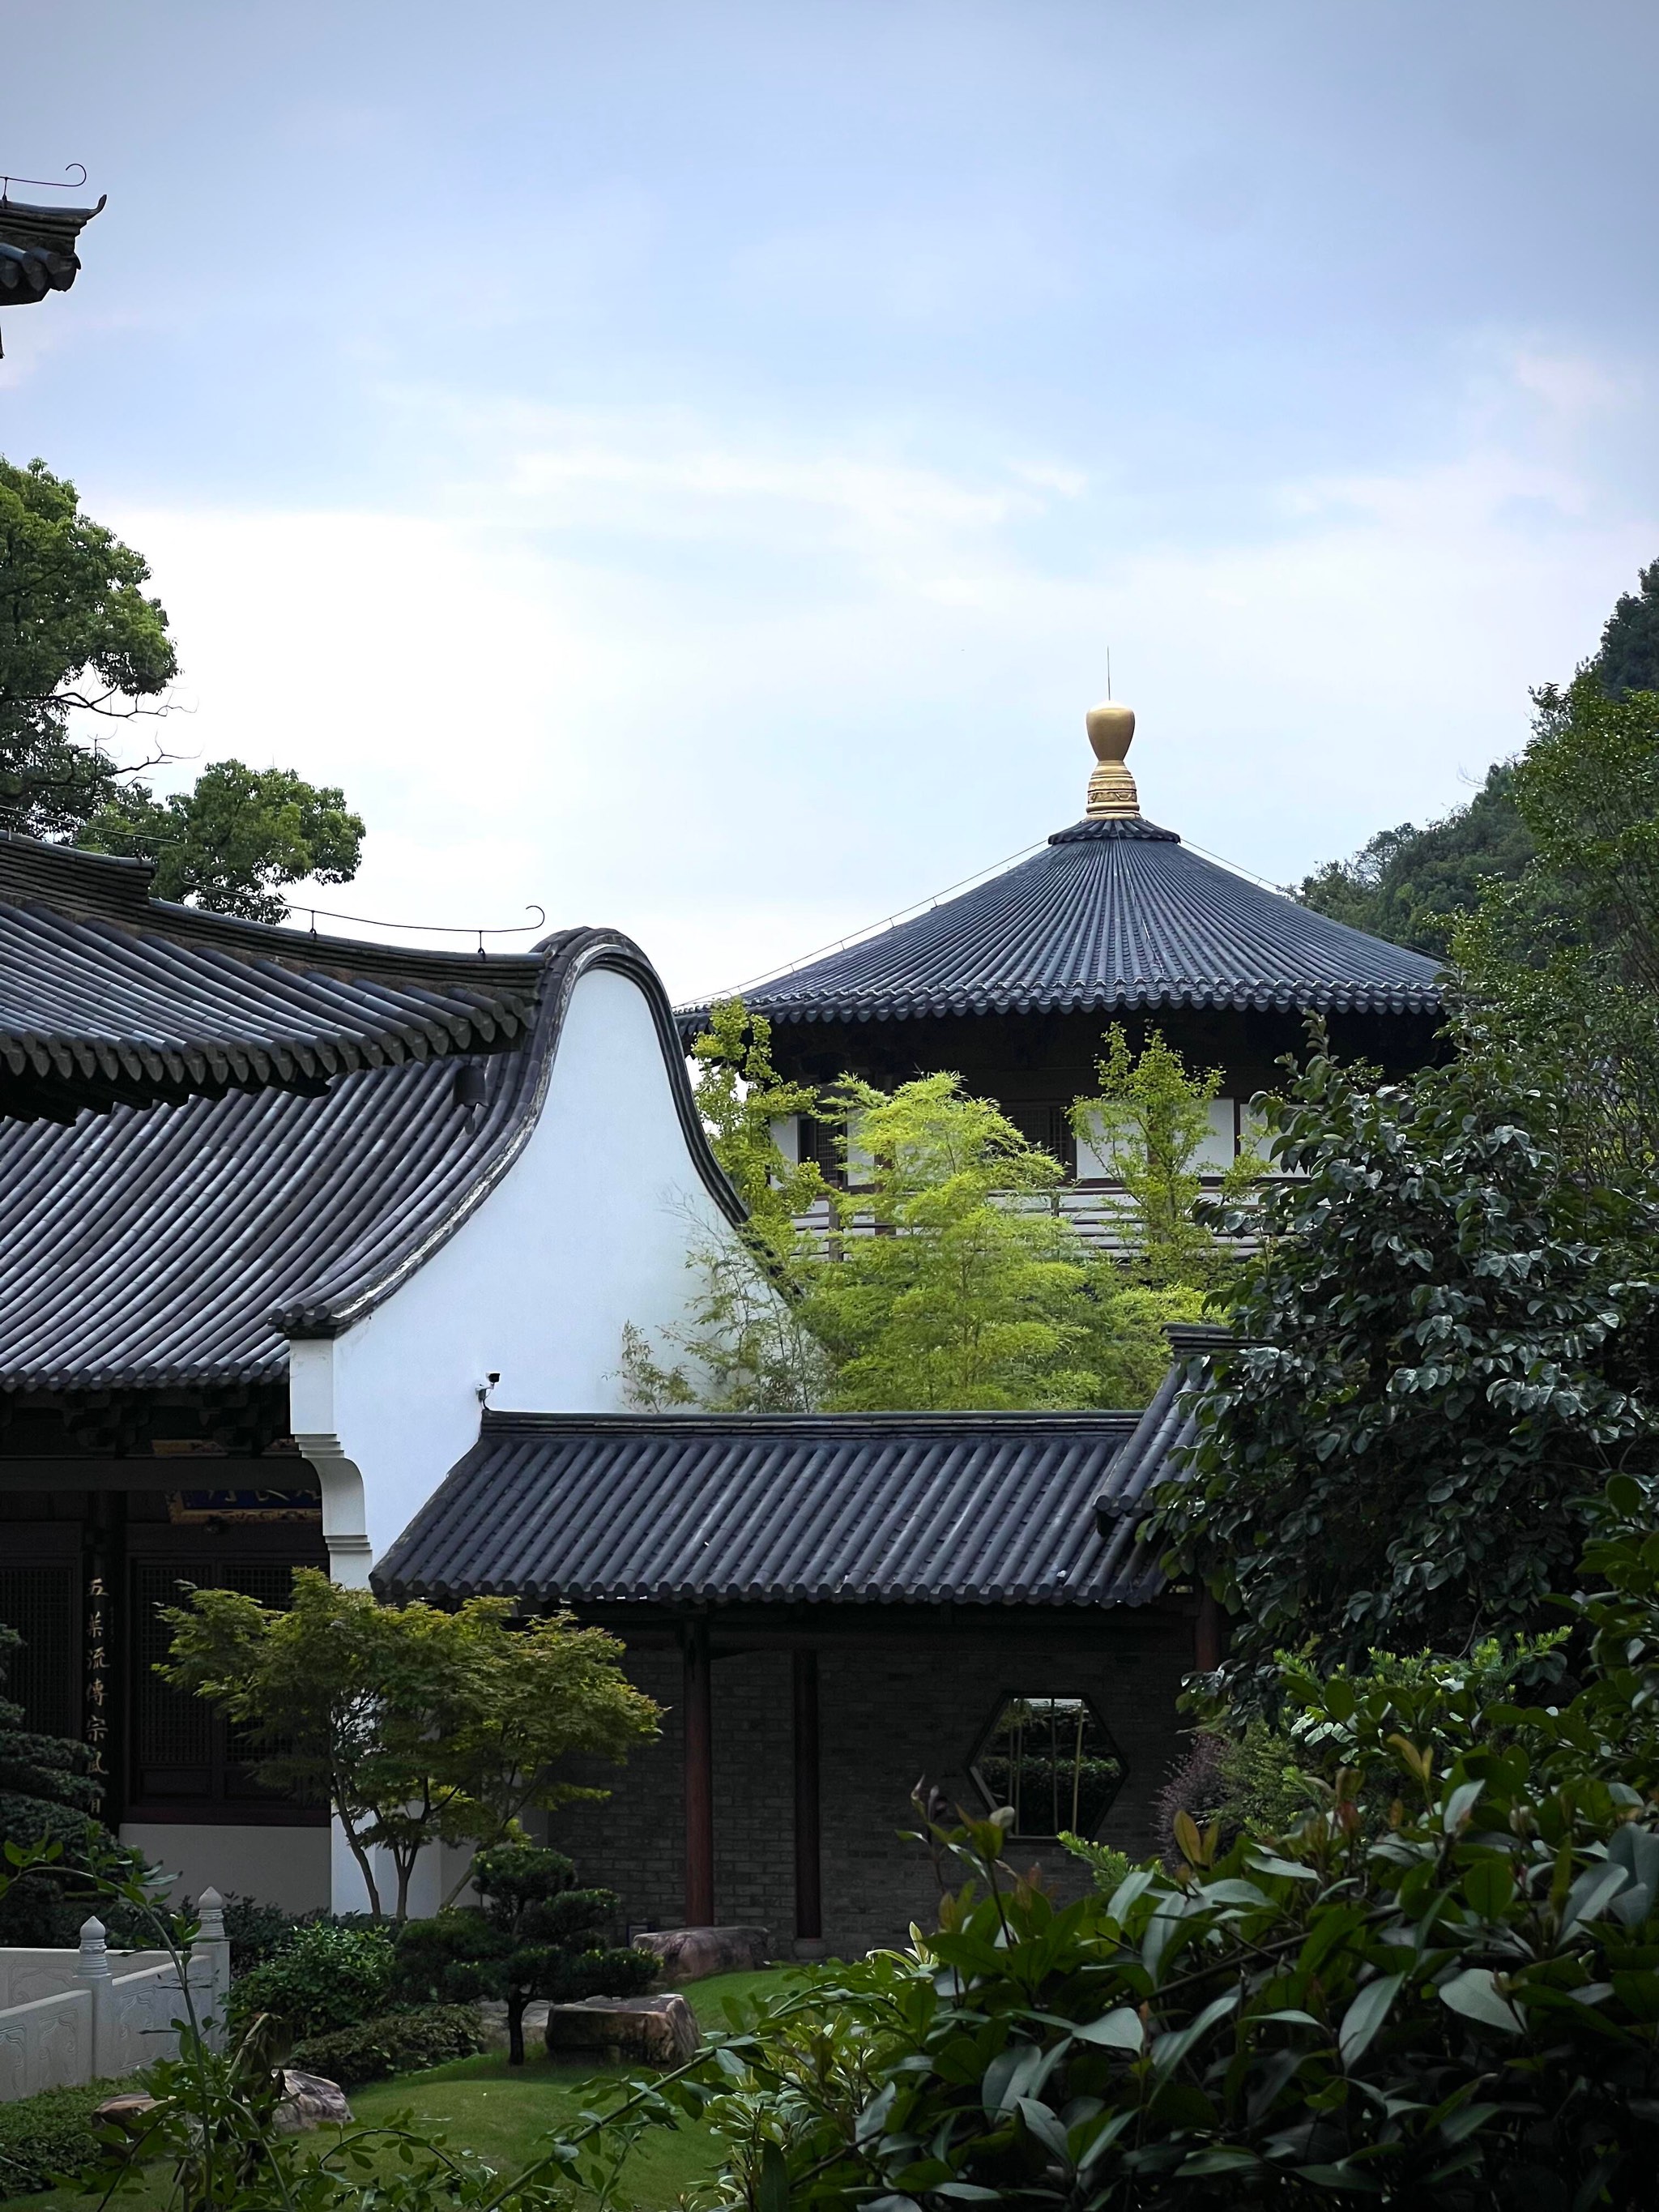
x: 1112, y: 794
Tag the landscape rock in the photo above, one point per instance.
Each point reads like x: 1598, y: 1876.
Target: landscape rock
x: 642, y: 2031
x: 129, y: 2110
x: 309, y: 2100
x: 690, y: 1954
x: 492, y: 2013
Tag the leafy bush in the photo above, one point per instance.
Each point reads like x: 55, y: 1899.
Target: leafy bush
x: 395, y: 2042
x: 257, y: 1931
x: 323, y: 1978
x: 42, y: 2137
x: 1450, y: 2003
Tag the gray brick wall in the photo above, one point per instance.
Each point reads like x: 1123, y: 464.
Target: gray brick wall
x: 888, y: 1718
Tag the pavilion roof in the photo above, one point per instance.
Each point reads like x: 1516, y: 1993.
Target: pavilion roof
x: 1111, y: 916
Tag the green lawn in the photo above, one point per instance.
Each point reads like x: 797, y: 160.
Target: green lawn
x: 501, y: 2112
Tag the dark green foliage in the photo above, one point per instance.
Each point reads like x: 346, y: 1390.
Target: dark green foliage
x: 1628, y: 657
x: 47, y: 1796
x: 256, y: 1931
x: 322, y: 1978
x: 1410, y: 886
x: 235, y: 840
x: 536, y: 1935
x: 79, y: 639
x: 1437, y: 1351
x: 1450, y: 2006
x: 77, y: 634
x: 393, y: 2042
x: 45, y: 2136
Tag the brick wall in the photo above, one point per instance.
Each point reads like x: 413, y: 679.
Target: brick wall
x: 887, y: 1717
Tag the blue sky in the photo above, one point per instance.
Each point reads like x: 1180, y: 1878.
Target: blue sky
x: 685, y: 466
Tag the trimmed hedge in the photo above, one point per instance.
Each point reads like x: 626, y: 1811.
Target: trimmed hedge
x: 396, y: 2043
x: 50, y: 2135
x: 324, y: 1979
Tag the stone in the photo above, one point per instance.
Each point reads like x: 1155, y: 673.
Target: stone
x: 641, y: 2031
x: 309, y: 2100
x: 492, y: 2013
x: 129, y: 2111
x: 690, y: 1954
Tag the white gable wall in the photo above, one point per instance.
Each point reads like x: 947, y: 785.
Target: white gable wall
x: 588, y: 1230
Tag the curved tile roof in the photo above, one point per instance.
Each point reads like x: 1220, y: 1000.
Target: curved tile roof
x: 843, y: 1509
x: 37, y: 249
x: 184, y: 1244
x: 1114, y: 916
x: 107, y: 995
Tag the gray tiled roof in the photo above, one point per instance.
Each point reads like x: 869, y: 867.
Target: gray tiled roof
x: 893, y: 1509
x: 37, y: 249
x: 1111, y: 915
x: 106, y: 995
x: 153, y: 1245
x: 1153, y: 1453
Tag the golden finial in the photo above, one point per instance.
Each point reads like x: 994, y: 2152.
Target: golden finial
x: 1112, y: 794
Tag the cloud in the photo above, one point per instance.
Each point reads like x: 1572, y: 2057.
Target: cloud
x: 740, y: 694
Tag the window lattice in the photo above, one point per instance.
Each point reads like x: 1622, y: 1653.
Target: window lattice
x: 40, y: 1602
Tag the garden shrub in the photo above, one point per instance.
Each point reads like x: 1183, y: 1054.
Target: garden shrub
x: 393, y: 2042
x: 1445, y: 1998
x: 323, y: 1978
x: 257, y: 1931
x: 50, y: 2135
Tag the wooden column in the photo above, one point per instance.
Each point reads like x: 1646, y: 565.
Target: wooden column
x: 1208, y: 1635
x: 809, y: 1903
x: 698, y: 1720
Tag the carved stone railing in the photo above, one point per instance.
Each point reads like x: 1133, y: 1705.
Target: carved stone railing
x: 69, y: 2017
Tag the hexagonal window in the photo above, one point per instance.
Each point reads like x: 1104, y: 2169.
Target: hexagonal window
x: 1053, y: 1760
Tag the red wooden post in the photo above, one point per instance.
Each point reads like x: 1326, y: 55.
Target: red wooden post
x: 809, y: 1902
x: 698, y: 1720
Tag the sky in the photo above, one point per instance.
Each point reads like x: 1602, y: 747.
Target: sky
x: 684, y: 467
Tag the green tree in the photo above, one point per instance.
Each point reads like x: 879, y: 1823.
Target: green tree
x: 80, y: 642
x: 47, y: 1796
x: 948, y: 1277
x: 1151, y: 1119
x: 1411, y: 884
x: 536, y: 1935
x: 954, y: 1282
x: 1416, y: 885
x: 742, y: 1098
x: 235, y: 840
x: 1629, y: 656
x: 77, y: 635
x: 1440, y: 1348
x: 417, y: 1726
x: 1558, y: 974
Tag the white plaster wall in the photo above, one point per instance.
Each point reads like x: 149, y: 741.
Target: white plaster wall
x: 288, y: 1867
x: 590, y: 1229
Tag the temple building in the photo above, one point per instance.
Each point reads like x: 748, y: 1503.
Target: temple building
x: 282, y: 1213
x: 1011, y: 984
x: 321, y: 1253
